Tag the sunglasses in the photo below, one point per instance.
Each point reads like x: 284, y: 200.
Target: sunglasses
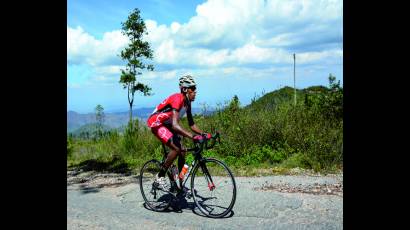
x: 193, y: 88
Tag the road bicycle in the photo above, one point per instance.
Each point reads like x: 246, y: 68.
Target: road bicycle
x: 212, y: 186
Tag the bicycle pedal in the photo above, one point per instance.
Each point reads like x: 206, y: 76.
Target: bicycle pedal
x: 188, y: 195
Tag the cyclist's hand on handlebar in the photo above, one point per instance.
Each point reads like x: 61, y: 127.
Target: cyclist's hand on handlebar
x: 198, y: 138
x: 207, y: 135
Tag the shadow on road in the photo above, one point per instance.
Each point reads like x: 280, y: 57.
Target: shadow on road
x: 92, y: 185
x: 116, y: 165
x: 179, y: 204
x: 84, y: 189
x: 87, y: 184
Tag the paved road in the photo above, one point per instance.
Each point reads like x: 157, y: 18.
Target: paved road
x: 113, y: 202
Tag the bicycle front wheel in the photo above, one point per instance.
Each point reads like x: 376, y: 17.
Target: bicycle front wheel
x: 156, y: 198
x: 213, y: 187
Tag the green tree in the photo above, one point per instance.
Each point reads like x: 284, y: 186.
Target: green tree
x: 136, y: 53
x: 234, y: 104
x: 335, y: 99
x: 69, y: 146
x: 99, y: 116
x: 328, y: 103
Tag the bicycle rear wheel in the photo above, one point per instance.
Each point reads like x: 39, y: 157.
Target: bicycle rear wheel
x: 213, y: 187
x: 156, y: 198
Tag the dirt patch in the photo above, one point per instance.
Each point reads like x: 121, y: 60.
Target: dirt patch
x: 98, y: 179
x: 315, y: 189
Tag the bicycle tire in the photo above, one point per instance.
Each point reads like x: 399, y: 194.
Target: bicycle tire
x: 221, y: 178
x: 155, y: 198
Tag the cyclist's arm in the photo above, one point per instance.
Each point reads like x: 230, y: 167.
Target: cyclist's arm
x: 177, y: 127
x: 196, y: 129
x: 191, y: 122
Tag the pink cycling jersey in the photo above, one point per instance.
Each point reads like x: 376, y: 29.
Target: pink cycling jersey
x: 162, y: 115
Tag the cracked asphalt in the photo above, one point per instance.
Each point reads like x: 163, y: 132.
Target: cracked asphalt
x: 114, y: 202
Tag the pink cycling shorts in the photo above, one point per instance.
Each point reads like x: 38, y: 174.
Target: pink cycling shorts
x: 162, y: 133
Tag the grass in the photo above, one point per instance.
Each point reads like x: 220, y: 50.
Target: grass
x: 90, y: 157
x: 260, y: 139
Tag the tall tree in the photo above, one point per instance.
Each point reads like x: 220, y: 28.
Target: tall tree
x: 99, y: 116
x: 136, y: 53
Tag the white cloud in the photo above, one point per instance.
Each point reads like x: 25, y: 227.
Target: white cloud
x: 175, y: 26
x: 284, y: 39
x: 225, y: 34
x: 205, y: 57
x: 157, y: 34
x: 101, y: 78
x: 229, y: 70
x: 109, y: 70
x: 237, y: 32
x: 79, y: 44
x: 308, y: 57
x: 250, y: 53
x: 84, y: 48
x: 233, y: 23
x: 169, y: 74
x: 160, y: 75
x: 166, y: 53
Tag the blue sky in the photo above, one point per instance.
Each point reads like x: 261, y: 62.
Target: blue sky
x: 231, y: 48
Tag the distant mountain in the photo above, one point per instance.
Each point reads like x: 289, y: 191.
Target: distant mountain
x: 272, y: 99
x: 88, y: 128
x: 113, y: 120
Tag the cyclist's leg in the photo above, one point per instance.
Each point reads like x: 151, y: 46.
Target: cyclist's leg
x: 181, y: 155
x: 166, y: 137
x: 173, y: 153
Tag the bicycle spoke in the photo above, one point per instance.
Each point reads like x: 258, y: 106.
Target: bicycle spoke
x: 214, y: 198
x: 213, y: 186
x: 156, y: 198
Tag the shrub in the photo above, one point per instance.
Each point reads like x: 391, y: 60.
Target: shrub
x: 307, y: 135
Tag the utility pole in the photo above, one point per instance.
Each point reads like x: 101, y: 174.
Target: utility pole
x: 294, y: 73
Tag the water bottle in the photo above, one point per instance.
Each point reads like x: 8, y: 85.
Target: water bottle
x: 183, y: 171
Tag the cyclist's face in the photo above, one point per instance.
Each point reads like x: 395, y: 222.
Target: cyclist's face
x: 191, y: 93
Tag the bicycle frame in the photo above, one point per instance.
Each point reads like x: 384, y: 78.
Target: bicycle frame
x: 197, y: 151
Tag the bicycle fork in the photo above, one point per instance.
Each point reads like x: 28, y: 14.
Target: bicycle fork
x: 208, y: 177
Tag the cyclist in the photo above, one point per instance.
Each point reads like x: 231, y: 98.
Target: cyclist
x: 164, y: 124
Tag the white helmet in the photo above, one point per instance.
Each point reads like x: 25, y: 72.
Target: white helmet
x: 186, y: 81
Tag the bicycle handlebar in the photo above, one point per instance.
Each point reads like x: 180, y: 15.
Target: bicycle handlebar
x: 214, y: 138
x: 199, y: 146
